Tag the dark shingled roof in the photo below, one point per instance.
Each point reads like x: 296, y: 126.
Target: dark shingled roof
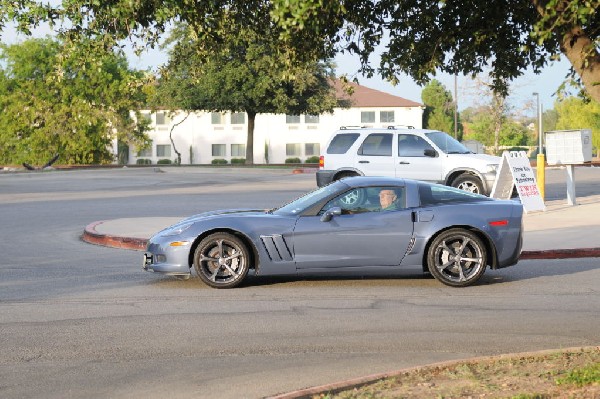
x: 363, y: 96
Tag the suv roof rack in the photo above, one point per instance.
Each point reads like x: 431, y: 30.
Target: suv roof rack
x: 352, y: 127
x: 400, y: 127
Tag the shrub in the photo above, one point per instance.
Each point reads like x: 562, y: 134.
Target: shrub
x: 164, y: 162
x: 293, y: 160
x: 219, y: 161
x: 143, y: 161
x: 313, y: 159
x: 238, y: 161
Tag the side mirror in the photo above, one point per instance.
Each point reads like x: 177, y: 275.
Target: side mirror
x: 331, y: 212
x: 430, y: 153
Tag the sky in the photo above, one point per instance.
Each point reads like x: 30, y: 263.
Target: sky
x: 521, y: 98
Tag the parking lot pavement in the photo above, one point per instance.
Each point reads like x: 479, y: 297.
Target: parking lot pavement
x: 562, y: 231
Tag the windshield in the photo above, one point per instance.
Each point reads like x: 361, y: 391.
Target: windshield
x: 297, y: 206
x: 447, y: 143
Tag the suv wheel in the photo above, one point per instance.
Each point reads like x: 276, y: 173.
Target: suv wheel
x: 468, y: 182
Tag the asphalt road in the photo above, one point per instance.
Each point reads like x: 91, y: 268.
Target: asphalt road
x: 83, y: 321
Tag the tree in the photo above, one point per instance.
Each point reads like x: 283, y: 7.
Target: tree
x: 420, y: 37
x: 439, y: 111
x: 247, y: 74
x: 574, y: 113
x: 425, y: 36
x: 50, y: 105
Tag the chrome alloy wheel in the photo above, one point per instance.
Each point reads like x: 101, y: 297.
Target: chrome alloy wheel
x: 221, y: 260
x: 457, y: 258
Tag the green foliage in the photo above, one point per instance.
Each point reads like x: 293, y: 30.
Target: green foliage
x: 52, y: 104
x: 293, y: 160
x: 575, y: 113
x: 588, y: 375
x: 219, y: 161
x: 313, y: 159
x: 511, y: 133
x: 439, y: 111
x: 419, y: 38
x: 164, y: 162
x: 143, y: 161
x: 238, y: 161
x: 247, y: 73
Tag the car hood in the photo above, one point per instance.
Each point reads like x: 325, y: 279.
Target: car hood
x: 480, y: 157
x: 229, y: 212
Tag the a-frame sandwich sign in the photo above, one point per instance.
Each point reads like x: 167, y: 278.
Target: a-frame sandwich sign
x: 516, y: 171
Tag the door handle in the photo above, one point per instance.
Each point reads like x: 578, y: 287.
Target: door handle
x: 404, y: 163
x: 363, y: 161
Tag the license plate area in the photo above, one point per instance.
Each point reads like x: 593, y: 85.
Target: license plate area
x: 147, y: 261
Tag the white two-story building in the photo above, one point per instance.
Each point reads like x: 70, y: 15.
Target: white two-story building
x: 201, y: 137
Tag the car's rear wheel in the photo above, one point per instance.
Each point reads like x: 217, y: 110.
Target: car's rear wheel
x: 222, y: 260
x: 468, y: 182
x: 457, y: 257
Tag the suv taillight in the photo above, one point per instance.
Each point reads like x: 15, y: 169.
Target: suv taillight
x: 321, y: 161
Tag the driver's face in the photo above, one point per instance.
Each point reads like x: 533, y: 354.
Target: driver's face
x: 386, y: 198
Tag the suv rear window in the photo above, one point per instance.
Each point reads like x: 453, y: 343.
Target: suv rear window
x: 342, y: 142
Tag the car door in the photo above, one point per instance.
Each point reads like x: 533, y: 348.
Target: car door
x: 375, y: 156
x: 363, y: 235
x: 417, y: 159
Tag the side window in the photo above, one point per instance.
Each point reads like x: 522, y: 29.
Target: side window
x: 410, y: 145
x: 369, y: 199
x: 341, y: 143
x: 378, y: 144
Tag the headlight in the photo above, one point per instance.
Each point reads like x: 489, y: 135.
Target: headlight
x: 175, y: 230
x: 492, y: 167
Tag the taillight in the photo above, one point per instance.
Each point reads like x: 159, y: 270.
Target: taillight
x: 321, y: 161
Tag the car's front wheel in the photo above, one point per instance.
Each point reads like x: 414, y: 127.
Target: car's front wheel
x: 222, y: 260
x: 457, y: 257
x: 468, y: 182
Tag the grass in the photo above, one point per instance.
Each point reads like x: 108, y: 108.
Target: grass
x: 560, y: 374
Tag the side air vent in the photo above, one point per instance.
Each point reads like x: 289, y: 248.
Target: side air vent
x: 277, y: 248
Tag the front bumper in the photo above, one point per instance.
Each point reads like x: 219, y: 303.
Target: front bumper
x: 161, y: 257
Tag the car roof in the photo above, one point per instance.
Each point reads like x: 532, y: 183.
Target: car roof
x: 391, y: 129
x: 362, y: 181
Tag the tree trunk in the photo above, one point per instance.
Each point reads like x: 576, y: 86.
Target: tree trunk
x: 250, y: 138
x: 579, y: 49
x: 584, y: 57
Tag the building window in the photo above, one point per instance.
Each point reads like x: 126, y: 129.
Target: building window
x: 367, y: 117
x: 162, y: 118
x: 292, y: 119
x: 311, y: 118
x: 293, y: 150
x: 311, y: 149
x: 147, y: 152
x: 217, y: 118
x: 386, y: 116
x: 218, y: 150
x: 238, y: 118
x: 238, y: 150
x: 163, y: 150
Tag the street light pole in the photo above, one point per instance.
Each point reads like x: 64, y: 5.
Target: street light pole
x: 541, y: 158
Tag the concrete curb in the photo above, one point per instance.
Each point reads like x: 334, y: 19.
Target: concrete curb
x: 337, y: 387
x: 90, y: 235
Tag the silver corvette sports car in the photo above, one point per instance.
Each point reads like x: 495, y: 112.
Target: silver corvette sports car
x: 358, y: 224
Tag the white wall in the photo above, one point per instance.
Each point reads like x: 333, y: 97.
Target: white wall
x: 198, y: 131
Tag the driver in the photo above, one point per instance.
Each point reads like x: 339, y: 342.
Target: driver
x: 388, y: 200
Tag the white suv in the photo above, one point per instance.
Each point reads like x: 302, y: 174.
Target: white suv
x: 418, y: 154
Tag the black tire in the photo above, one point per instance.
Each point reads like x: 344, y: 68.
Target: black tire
x: 457, y: 257
x: 468, y: 182
x: 222, y: 260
